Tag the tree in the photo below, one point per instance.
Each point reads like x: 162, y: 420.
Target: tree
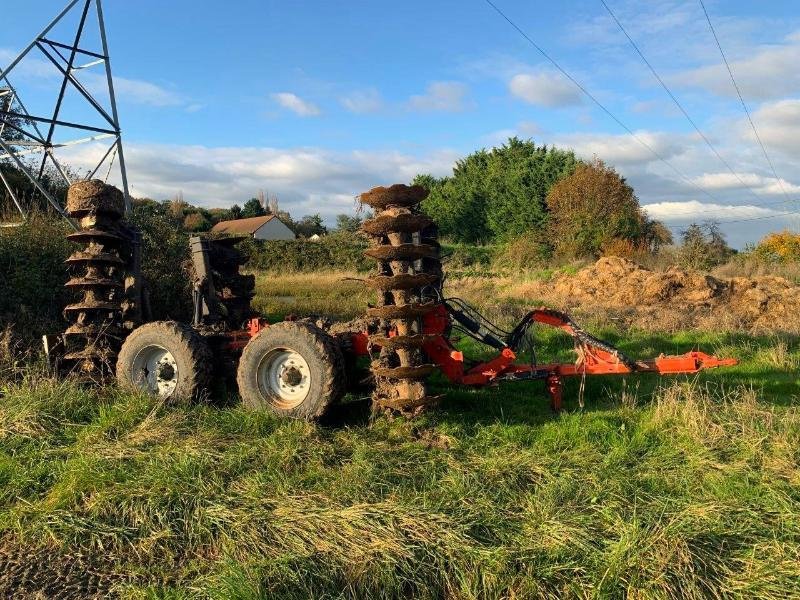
x: 656, y: 235
x: 310, y: 225
x: 497, y: 194
x: 262, y: 200
x: 178, y: 206
x: 23, y: 188
x: 196, y: 222
x: 703, y: 247
x: 287, y: 220
x: 348, y: 223
x: 8, y: 104
x: 235, y: 212
x: 783, y: 246
x: 253, y: 208
x: 591, y: 208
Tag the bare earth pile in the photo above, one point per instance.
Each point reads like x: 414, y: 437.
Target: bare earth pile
x: 676, y: 295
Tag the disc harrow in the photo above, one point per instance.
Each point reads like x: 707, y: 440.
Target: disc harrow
x: 97, y: 277
x: 407, y: 256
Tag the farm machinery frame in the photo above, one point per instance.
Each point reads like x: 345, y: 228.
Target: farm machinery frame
x: 299, y: 367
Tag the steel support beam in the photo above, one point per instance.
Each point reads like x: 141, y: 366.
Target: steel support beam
x: 68, y: 58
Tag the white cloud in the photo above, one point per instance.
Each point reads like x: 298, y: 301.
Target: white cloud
x: 444, y: 96
x: 766, y: 73
x: 623, y: 149
x: 137, y: 91
x: 523, y: 129
x: 31, y: 66
x: 306, y: 180
x: 679, y: 214
x: 758, y: 183
x: 778, y: 125
x: 133, y: 91
x: 363, y: 101
x: 693, y: 210
x: 297, y: 105
x: 545, y: 88
x: 495, y: 65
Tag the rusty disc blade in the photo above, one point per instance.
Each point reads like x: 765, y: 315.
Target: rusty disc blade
x: 88, y: 282
x: 401, y: 252
x: 402, y: 341
x: 100, y: 257
x: 418, y: 372
x: 402, y: 223
x: 93, y: 330
x: 400, y: 282
x: 89, y: 306
x: 396, y: 195
x: 406, y: 311
x: 90, y: 354
x: 93, y: 234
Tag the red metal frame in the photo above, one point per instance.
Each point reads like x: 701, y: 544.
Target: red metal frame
x: 237, y: 340
x: 592, y: 359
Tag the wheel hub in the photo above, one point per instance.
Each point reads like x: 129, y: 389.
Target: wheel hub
x: 166, y: 372
x: 155, y: 370
x: 284, y: 378
x: 292, y: 377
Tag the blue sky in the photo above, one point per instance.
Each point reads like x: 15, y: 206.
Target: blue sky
x: 318, y: 101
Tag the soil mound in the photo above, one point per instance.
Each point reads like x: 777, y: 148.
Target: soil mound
x: 761, y: 302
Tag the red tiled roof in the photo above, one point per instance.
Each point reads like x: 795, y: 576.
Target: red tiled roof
x: 250, y: 225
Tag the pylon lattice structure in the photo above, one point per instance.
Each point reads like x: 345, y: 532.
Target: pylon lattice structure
x: 103, y: 312
x: 30, y: 140
x: 407, y: 266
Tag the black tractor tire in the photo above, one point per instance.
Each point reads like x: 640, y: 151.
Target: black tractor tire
x: 323, y: 375
x: 191, y: 360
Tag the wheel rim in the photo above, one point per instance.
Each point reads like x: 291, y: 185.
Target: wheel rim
x: 284, y: 378
x: 155, y: 370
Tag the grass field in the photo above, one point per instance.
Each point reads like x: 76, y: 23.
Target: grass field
x: 679, y: 488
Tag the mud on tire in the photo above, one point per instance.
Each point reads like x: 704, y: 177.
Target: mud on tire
x: 293, y: 369
x: 167, y: 359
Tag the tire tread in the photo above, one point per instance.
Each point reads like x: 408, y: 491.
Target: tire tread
x: 190, y: 343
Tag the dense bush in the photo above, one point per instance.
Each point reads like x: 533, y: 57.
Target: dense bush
x: 498, y: 194
x: 783, y: 247
x: 525, y: 252
x: 703, y: 247
x: 594, y: 211
x: 339, y: 251
x: 32, y: 277
x: 465, y: 256
x: 165, y: 262
x: 32, y: 272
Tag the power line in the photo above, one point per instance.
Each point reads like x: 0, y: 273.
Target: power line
x: 786, y: 214
x: 678, y: 103
x: 741, y: 99
x: 598, y: 103
x: 621, y: 124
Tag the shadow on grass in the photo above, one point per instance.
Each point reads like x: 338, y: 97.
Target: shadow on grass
x: 528, y: 402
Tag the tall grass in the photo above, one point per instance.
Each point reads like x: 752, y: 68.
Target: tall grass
x: 662, y: 489
x: 686, y: 488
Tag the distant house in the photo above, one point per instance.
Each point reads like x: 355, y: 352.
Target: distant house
x: 268, y: 227
x: 315, y: 238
